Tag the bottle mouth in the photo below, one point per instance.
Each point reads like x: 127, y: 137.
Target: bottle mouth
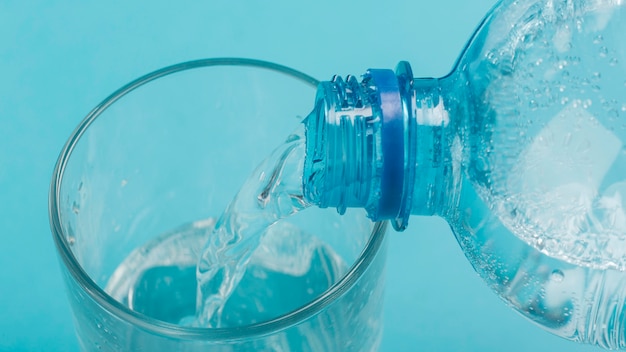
x: 340, y: 146
x: 357, y: 145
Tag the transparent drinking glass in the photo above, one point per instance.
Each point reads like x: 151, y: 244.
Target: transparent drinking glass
x: 134, y: 195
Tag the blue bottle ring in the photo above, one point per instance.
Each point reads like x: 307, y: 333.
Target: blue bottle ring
x: 387, y: 91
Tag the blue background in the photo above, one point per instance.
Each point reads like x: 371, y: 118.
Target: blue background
x: 58, y: 60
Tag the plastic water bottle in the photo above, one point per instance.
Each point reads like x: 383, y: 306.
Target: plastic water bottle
x: 521, y: 148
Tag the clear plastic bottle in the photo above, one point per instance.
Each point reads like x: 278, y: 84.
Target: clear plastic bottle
x: 521, y: 148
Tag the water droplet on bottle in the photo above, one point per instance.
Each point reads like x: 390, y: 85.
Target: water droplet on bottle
x: 533, y: 105
x: 80, y: 186
x: 598, y: 39
x: 71, y: 240
x: 579, y: 25
x: 604, y: 51
x: 75, y: 207
x: 538, y: 62
x: 541, y: 244
x: 564, y: 100
x: 613, y: 113
x: 557, y: 276
x: 614, y: 61
x: 587, y: 104
x: 597, y: 76
x: 624, y: 107
x: 124, y: 183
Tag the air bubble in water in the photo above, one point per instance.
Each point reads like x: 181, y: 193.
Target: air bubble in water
x: 557, y: 276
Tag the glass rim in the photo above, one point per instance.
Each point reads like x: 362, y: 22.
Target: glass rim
x: 97, y: 293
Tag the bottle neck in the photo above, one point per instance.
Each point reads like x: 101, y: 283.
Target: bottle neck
x: 432, y: 139
x: 381, y: 144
